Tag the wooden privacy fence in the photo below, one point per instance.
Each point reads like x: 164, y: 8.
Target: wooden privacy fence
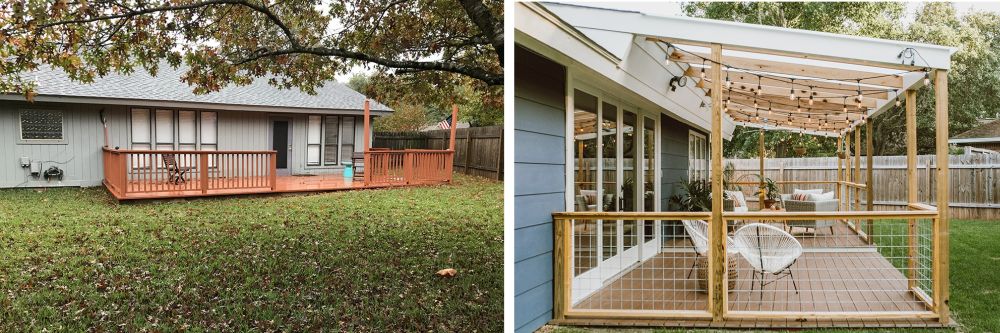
x: 131, y: 172
x: 478, y: 150
x: 974, y: 194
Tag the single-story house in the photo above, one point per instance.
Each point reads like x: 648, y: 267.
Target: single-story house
x: 985, y: 137
x: 64, y: 127
x: 614, y: 108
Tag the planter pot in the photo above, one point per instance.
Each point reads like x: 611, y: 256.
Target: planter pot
x: 770, y: 203
x: 801, y: 151
x: 701, y: 265
x: 841, y: 155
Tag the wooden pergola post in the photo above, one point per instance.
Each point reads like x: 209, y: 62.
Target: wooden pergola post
x: 451, y: 140
x: 941, y: 234
x: 912, y: 194
x: 840, y: 172
x: 717, y: 227
x: 761, y: 185
x: 870, y: 201
x: 857, y: 171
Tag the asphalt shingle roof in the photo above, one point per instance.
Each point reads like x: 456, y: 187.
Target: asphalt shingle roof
x: 167, y: 86
x: 987, y: 130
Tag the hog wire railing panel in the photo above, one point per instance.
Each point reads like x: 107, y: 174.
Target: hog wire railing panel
x: 614, y: 265
x: 407, y: 167
x: 822, y: 265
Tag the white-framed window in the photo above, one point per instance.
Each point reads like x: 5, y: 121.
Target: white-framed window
x: 330, y: 140
x: 41, y: 126
x: 164, y: 127
x: 169, y: 129
x: 697, y: 156
x: 314, y: 140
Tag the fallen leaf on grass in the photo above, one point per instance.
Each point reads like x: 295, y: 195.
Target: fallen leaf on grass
x: 447, y: 272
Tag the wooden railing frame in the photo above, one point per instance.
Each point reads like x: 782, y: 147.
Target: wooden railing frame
x: 117, y: 167
x: 563, y: 276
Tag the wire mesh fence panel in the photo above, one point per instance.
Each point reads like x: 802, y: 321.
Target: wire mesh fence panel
x: 872, y: 265
x: 639, y: 265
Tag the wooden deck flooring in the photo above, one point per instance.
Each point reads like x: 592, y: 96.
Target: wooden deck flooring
x: 827, y: 282
x: 283, y: 184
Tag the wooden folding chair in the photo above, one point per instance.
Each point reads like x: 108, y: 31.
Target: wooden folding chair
x: 175, y: 172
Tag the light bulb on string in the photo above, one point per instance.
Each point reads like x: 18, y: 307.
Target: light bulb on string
x: 703, y: 69
x: 729, y: 84
x: 791, y: 91
x: 758, y: 85
x: 927, y: 77
x: 860, y: 95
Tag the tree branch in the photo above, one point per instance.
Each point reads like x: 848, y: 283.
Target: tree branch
x: 488, y: 25
x: 408, y: 66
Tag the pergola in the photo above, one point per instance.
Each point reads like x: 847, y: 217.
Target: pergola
x: 805, y: 82
x: 820, y: 94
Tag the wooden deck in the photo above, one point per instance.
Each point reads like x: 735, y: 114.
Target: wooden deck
x: 828, y: 282
x: 283, y: 184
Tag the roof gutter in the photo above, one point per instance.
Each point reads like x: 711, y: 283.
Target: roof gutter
x: 191, y: 105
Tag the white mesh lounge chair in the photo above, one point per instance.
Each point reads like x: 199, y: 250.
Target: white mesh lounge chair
x: 698, y: 233
x: 770, y: 250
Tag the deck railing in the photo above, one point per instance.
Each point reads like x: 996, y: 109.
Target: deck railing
x: 644, y: 266
x: 408, y: 167
x: 134, y: 172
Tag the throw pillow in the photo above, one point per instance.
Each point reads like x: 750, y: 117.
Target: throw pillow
x: 800, y: 196
x: 737, y: 198
x: 816, y: 191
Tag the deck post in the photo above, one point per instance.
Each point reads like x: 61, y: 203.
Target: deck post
x: 451, y: 140
x: 203, y: 171
x: 273, y: 165
x: 912, y: 194
x: 717, y: 227
x: 941, y: 232
x: 857, y: 169
x: 366, y: 167
x: 869, y: 200
x: 760, y: 188
x: 562, y: 277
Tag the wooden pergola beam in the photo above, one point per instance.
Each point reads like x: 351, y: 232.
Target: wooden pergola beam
x: 803, y: 103
x: 780, y: 95
x: 778, y: 67
x: 799, y: 85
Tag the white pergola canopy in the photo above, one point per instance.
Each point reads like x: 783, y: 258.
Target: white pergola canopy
x: 777, y: 78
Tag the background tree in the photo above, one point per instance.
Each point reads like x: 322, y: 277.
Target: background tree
x: 974, y: 74
x: 295, y: 43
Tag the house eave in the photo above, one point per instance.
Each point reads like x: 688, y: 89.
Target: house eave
x: 185, y: 104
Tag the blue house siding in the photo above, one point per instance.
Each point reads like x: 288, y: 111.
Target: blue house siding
x: 539, y: 185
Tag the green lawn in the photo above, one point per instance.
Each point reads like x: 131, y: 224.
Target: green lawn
x: 74, y: 260
x: 975, y: 281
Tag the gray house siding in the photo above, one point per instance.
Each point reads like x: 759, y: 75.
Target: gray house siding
x: 79, y: 155
x: 539, y: 161
x: 82, y: 129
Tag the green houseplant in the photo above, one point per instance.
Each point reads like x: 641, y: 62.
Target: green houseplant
x: 770, y: 191
x: 696, y: 196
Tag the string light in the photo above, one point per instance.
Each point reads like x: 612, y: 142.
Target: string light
x: 791, y: 92
x: 703, y: 69
x: 927, y: 77
x: 810, y: 96
x: 860, y: 95
x: 758, y: 86
x: 729, y: 84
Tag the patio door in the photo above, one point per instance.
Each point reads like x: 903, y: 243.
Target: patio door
x: 614, y: 163
x: 281, y: 143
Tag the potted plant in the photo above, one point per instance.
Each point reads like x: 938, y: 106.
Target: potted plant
x: 842, y: 153
x: 770, y: 191
x: 799, y: 149
x: 696, y: 196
